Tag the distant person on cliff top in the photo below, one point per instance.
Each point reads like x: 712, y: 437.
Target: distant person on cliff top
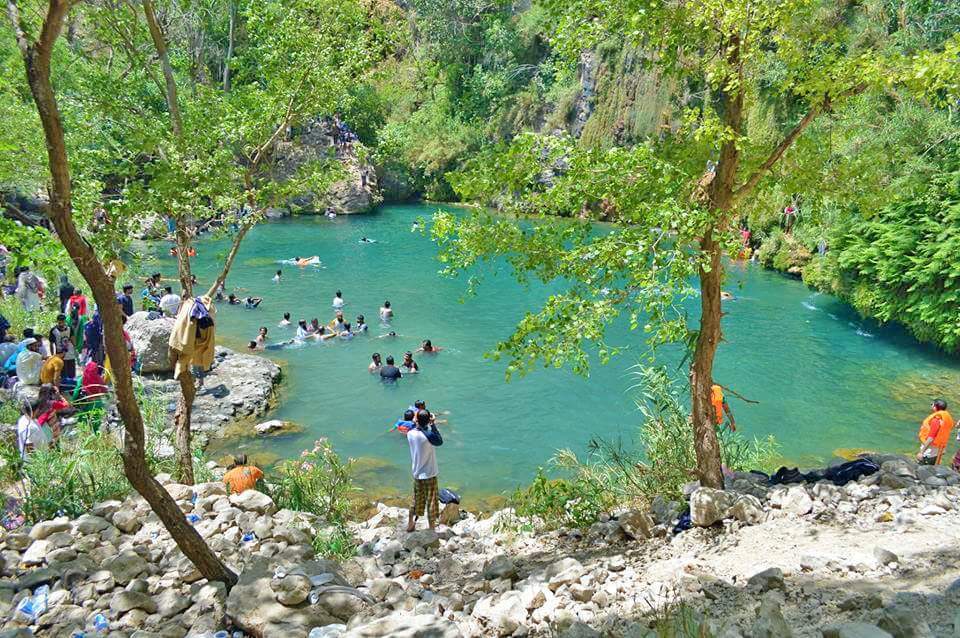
x: 934, y: 434
x: 423, y: 440
x: 242, y: 477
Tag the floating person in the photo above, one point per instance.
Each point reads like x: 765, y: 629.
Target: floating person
x: 346, y: 332
x: 726, y: 296
x: 405, y: 424
x: 386, y: 312
x: 361, y: 327
x: 233, y: 300
x: 315, y: 326
x: 252, y: 302
x: 428, y: 348
x: 721, y: 407
x: 285, y: 321
x: 389, y: 335
x: 409, y: 365
x: 303, y: 331
x: 278, y: 276
x: 934, y: 434
x: 338, y: 300
x: 254, y: 345
x: 307, y: 261
x: 367, y: 240
x: 375, y: 363
x: 390, y: 372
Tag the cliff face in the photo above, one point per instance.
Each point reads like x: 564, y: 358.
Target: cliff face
x: 356, y: 191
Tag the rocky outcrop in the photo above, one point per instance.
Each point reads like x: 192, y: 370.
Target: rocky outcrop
x: 238, y: 386
x: 356, y: 191
x: 151, y: 339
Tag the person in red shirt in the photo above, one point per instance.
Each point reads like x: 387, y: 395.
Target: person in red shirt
x: 242, y: 477
x: 934, y: 434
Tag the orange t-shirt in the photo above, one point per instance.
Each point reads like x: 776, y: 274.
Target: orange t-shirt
x: 242, y: 478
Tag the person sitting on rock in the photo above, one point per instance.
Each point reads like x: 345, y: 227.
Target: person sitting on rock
x: 242, y: 477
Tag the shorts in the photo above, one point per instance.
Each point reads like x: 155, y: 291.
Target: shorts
x: 425, y: 498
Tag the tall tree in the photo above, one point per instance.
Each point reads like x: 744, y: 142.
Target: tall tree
x: 676, y: 217
x: 37, y: 52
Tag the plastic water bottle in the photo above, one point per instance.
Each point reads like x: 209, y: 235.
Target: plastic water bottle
x: 25, y: 610
x: 78, y: 634
x: 249, y: 537
x: 314, y: 597
x: 192, y: 518
x: 101, y: 624
x: 40, y: 600
x: 193, y: 500
x: 221, y: 634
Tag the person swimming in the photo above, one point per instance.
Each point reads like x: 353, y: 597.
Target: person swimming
x: 277, y: 277
x: 409, y: 365
x: 726, y: 296
x: 367, y: 240
x: 286, y: 320
x: 389, y: 335
x: 428, y: 348
x: 252, y: 302
x: 405, y: 424
x: 262, y: 337
x: 375, y: 364
x: 302, y: 330
x: 338, y: 300
x: 361, y: 327
x: 346, y: 333
x: 233, y: 300
x: 386, y: 312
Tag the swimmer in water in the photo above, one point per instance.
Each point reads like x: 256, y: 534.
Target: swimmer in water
x: 233, y: 301
x: 428, y: 348
x: 302, y: 330
x: 726, y: 296
x: 375, y: 364
x: 261, y: 339
x: 285, y: 321
x: 386, y: 312
x: 367, y: 240
x: 338, y: 300
x: 389, y: 335
x: 253, y: 345
x: 252, y: 302
x: 361, y: 327
x: 276, y: 277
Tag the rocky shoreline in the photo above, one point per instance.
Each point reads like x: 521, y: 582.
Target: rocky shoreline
x: 877, y: 557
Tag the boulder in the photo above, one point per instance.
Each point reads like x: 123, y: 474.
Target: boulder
x: 503, y: 614
x: 797, y: 501
x: 770, y: 622
x: 126, y: 566
x: 404, y: 625
x: 709, y: 506
x: 253, y: 501
x: 902, y: 621
x: 127, y: 521
x: 292, y: 589
x: 747, y: 509
x: 854, y: 630
x: 500, y: 566
x: 88, y: 524
x: 151, y: 340
x: 766, y: 580
x: 269, y: 426
x: 421, y: 539
x: 563, y: 572
x: 124, y: 601
x: 45, y: 528
x: 36, y: 553
x: 885, y: 556
x: 636, y: 524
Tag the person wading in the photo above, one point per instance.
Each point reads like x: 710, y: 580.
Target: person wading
x: 422, y: 440
x: 934, y: 434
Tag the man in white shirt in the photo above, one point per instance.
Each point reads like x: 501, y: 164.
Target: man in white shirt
x: 170, y: 303
x: 338, y: 300
x: 422, y: 441
x: 29, y: 363
x: 30, y: 434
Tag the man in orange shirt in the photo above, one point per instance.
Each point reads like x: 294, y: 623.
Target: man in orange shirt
x: 935, y: 434
x: 242, y: 477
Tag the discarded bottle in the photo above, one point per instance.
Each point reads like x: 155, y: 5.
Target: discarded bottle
x: 193, y: 499
x: 101, y: 624
x: 221, y: 634
x: 279, y: 573
x: 314, y: 597
x: 249, y: 537
x: 192, y: 518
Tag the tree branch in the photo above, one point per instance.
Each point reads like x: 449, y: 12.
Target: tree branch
x: 161, y: 46
x: 823, y: 107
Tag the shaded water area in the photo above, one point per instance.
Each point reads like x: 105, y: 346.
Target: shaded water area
x: 824, y: 378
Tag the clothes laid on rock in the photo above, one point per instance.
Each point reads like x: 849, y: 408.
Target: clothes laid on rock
x: 837, y: 474
x: 193, y: 337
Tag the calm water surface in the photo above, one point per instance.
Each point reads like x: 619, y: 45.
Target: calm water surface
x: 824, y: 378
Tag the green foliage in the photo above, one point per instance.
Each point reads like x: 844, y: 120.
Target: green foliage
x: 40, y: 320
x: 319, y: 481
x: 613, y: 474
x: 335, y: 543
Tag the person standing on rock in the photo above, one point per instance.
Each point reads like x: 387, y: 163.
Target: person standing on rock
x: 935, y: 434
x: 422, y: 441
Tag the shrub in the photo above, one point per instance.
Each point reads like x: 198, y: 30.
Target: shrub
x: 318, y: 482
x: 335, y: 542
x: 40, y: 320
x: 559, y: 502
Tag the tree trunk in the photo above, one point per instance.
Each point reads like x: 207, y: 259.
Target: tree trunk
x: 705, y: 441
x: 36, y: 57
x: 182, y: 422
x: 229, y: 56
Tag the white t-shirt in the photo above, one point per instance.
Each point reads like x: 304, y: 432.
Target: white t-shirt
x: 338, y: 302
x: 32, y: 433
x: 422, y: 454
x: 28, y: 367
x: 170, y: 304
x: 276, y: 279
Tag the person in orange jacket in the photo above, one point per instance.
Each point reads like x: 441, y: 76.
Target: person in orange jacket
x: 720, y: 406
x: 934, y: 434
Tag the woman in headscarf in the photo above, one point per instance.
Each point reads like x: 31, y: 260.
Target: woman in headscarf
x: 93, y: 337
x: 93, y: 382
x: 77, y: 323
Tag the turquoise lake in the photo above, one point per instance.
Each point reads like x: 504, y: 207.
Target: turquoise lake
x: 824, y: 378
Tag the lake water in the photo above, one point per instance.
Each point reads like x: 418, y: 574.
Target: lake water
x: 824, y: 378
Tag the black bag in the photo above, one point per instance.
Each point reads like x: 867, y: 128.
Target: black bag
x: 448, y: 496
